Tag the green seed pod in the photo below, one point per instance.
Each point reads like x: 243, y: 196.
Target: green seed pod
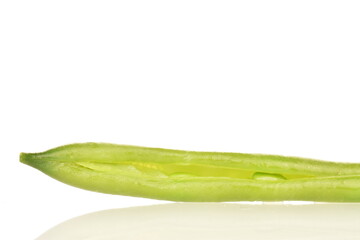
x: 197, y: 176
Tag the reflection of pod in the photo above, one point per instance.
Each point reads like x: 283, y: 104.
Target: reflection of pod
x: 216, y: 221
x: 197, y: 176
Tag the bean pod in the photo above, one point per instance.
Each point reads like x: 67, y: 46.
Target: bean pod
x: 197, y: 176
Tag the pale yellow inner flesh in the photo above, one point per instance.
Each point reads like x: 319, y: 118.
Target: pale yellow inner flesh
x: 177, y: 170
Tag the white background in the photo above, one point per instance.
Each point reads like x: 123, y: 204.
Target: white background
x: 278, y: 77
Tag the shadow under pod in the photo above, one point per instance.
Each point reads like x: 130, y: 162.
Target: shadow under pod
x: 210, y: 221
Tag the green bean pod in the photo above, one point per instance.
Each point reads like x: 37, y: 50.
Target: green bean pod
x: 197, y: 176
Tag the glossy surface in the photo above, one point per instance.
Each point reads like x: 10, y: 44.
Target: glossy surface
x: 197, y: 176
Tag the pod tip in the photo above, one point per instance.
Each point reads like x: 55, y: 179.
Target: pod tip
x: 23, y: 157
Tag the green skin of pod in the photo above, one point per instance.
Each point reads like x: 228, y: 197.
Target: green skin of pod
x: 197, y: 176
